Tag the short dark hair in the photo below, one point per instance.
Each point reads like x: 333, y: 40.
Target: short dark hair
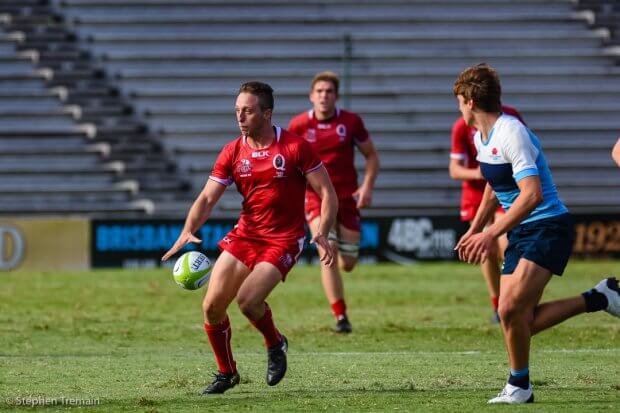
x: 326, y: 76
x: 480, y: 83
x: 263, y: 91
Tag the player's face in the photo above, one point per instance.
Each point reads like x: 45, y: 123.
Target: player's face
x: 466, y: 108
x: 250, y: 117
x: 323, y: 96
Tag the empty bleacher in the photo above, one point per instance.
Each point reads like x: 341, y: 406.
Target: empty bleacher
x: 179, y: 64
x: 68, y: 143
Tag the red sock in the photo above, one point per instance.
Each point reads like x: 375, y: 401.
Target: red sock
x: 266, y: 326
x: 495, y: 302
x: 339, y: 308
x: 219, y: 337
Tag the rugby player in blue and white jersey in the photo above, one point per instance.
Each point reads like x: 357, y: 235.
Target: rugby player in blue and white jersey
x: 540, y: 228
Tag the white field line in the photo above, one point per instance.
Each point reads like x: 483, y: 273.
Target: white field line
x: 433, y: 353
x: 327, y: 353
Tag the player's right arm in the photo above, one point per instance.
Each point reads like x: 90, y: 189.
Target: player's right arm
x: 197, y: 215
x: 459, y: 171
x: 221, y: 177
x: 322, y: 185
x: 485, y: 212
x: 458, y: 154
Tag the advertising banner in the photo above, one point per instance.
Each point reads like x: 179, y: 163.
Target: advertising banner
x: 44, y: 244
x: 142, y: 243
x: 404, y: 240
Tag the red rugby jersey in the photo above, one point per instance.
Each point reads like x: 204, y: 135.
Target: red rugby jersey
x: 272, y: 182
x: 463, y: 148
x: 334, y: 140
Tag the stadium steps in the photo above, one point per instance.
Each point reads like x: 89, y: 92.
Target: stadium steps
x: 180, y: 66
x: 606, y: 15
x: 42, y: 39
x: 47, y: 165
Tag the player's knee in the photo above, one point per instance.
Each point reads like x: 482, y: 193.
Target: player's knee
x: 347, y: 264
x: 511, y: 312
x: 249, y: 306
x: 493, y: 252
x: 349, y: 252
x: 212, y: 312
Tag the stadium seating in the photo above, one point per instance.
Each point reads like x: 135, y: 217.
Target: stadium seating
x: 177, y: 66
x: 68, y: 143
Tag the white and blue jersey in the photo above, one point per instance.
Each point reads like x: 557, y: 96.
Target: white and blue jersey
x: 511, y: 153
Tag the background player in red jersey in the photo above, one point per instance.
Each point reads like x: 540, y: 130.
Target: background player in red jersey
x: 270, y: 168
x: 465, y: 167
x: 333, y: 133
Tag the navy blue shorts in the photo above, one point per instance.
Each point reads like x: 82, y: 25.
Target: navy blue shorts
x: 548, y: 242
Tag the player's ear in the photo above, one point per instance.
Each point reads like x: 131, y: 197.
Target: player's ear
x: 267, y: 114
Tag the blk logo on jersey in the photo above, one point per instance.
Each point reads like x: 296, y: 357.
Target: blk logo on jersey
x: 260, y: 154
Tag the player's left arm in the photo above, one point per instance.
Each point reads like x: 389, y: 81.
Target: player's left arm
x: 475, y: 249
x: 520, y: 151
x: 322, y: 185
x: 615, y: 153
x: 364, y: 192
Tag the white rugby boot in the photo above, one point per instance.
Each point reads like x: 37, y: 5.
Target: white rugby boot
x: 513, y: 395
x: 609, y: 288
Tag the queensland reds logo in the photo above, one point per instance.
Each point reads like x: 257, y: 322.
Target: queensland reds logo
x: 279, y: 163
x: 341, y: 130
x: 311, y: 135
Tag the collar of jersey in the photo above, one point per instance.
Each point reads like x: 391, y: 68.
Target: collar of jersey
x: 278, y: 132
x: 491, y: 132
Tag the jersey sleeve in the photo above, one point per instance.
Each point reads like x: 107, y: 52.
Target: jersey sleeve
x: 458, y: 149
x: 308, y: 160
x: 295, y: 127
x: 521, y: 152
x: 360, y: 133
x: 223, y: 168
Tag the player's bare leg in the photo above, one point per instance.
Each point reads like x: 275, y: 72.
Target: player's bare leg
x: 332, y: 282
x: 520, y: 293
x: 522, y: 317
x: 348, y: 249
x: 226, y: 278
x: 251, y: 299
x: 491, y: 273
x: 502, y: 241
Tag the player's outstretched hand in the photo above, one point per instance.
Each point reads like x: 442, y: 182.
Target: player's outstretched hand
x: 474, y: 247
x: 326, y: 254
x: 363, y: 196
x: 185, y: 238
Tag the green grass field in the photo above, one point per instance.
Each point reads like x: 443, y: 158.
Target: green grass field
x: 422, y: 341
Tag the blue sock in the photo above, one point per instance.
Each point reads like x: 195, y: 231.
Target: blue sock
x: 520, y: 378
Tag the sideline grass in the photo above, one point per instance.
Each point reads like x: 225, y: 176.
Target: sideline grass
x: 422, y: 341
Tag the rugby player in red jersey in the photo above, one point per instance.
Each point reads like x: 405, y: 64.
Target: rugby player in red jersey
x: 465, y: 167
x: 334, y: 133
x: 270, y: 168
